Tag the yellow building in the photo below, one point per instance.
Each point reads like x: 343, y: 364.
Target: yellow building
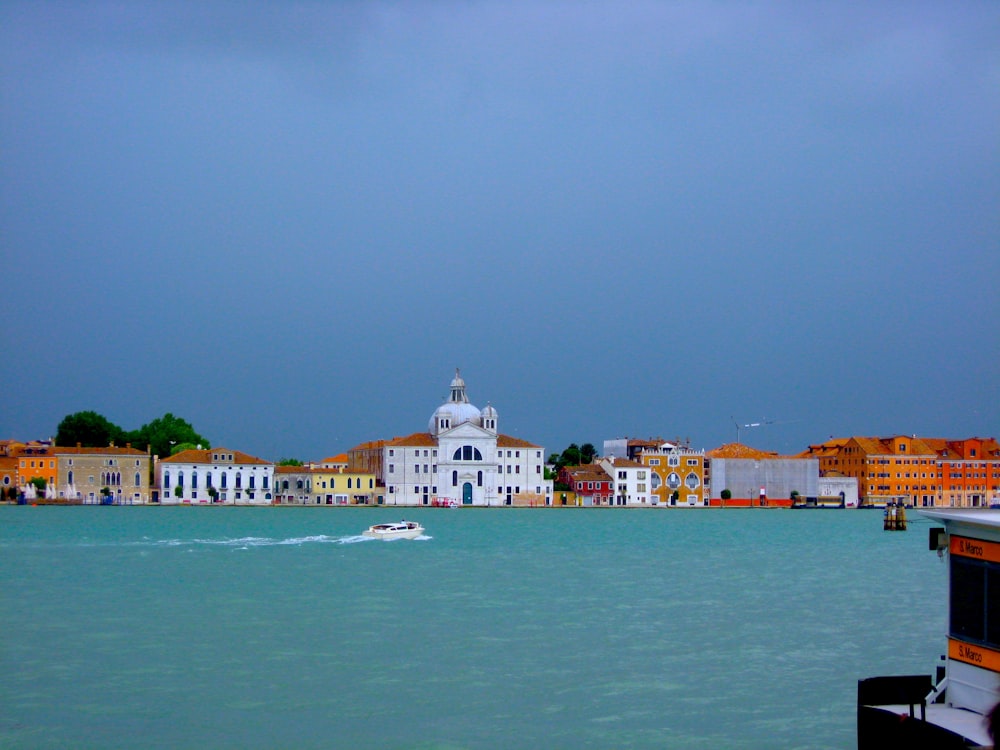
x: 328, y: 483
x: 677, y: 475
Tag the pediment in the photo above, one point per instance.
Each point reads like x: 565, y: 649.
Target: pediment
x: 464, y: 431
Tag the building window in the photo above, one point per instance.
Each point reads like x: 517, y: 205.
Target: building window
x: 467, y: 453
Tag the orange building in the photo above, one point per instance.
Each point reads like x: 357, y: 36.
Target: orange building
x: 35, y: 461
x: 969, y: 472
x: 902, y: 468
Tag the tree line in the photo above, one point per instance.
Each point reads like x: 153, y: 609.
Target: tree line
x: 165, y: 435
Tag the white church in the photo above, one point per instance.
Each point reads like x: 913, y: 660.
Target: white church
x: 463, y: 459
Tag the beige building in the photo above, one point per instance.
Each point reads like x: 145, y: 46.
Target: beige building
x: 112, y: 475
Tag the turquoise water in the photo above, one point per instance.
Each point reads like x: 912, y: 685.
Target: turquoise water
x: 570, y: 628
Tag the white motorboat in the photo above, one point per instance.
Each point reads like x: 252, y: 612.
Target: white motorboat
x: 399, y: 530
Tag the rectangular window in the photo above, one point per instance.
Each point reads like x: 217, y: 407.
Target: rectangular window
x: 392, y: 468
x: 968, y: 604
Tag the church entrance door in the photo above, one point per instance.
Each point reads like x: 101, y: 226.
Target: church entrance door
x: 467, y: 493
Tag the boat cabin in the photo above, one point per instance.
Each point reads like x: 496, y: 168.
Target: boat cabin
x: 950, y: 709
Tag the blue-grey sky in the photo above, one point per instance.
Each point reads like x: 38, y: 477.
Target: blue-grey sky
x: 289, y: 222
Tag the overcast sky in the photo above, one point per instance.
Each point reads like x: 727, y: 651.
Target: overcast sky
x: 289, y: 222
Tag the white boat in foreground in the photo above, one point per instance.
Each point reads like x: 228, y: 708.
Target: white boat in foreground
x: 400, y: 530
x: 951, y: 709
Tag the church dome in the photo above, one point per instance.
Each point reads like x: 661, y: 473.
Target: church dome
x: 450, y: 415
x: 455, y: 411
x: 489, y: 412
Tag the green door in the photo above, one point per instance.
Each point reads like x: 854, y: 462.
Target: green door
x: 467, y: 493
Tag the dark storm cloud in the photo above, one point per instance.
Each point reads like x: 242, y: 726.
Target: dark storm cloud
x: 289, y: 221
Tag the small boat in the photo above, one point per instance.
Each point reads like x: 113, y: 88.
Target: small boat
x: 951, y: 708
x: 400, y: 530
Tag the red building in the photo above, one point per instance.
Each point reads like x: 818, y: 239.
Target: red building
x: 591, y: 483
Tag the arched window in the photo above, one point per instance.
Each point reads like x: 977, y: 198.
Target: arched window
x: 194, y: 479
x: 467, y: 453
x: 180, y: 478
x: 239, y: 480
x: 454, y: 479
x: 479, y: 479
x: 69, y: 479
x: 166, y: 479
x: 348, y: 483
x: 224, y: 480
x: 138, y: 479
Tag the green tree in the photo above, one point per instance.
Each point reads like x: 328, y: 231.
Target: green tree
x: 39, y: 482
x: 178, y: 491
x: 574, y: 455
x: 726, y: 495
x: 165, y: 432
x: 289, y: 462
x: 89, y: 429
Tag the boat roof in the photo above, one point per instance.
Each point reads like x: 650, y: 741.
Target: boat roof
x: 985, y: 517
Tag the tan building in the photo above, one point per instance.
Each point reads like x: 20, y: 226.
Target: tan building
x: 112, y: 475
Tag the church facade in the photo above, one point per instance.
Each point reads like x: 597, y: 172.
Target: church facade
x: 463, y: 459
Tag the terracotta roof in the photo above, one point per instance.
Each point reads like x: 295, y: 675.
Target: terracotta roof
x: 204, y: 456
x: 369, y: 445
x: 624, y: 463
x: 288, y: 469
x: 109, y: 451
x: 506, y: 441
x: 422, y: 439
x: 340, y: 458
x: 587, y: 473
x: 738, y: 450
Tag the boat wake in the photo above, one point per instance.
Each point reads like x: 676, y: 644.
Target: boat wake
x: 253, y: 541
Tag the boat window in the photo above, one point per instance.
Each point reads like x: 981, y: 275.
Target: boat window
x: 975, y: 600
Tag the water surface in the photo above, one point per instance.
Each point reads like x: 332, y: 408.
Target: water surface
x: 557, y: 628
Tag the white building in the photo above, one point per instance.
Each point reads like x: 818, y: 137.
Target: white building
x: 631, y: 481
x: 216, y: 475
x: 462, y: 458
